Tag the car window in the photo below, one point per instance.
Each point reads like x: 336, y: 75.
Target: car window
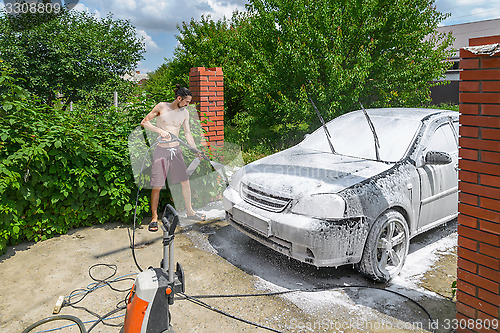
x: 443, y: 139
x: 352, y: 136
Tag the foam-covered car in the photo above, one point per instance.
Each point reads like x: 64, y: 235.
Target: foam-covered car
x: 356, y: 195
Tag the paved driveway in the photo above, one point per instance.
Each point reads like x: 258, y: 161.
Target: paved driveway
x: 219, y: 260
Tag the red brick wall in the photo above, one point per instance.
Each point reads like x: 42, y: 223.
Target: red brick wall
x: 207, y: 87
x: 478, y: 283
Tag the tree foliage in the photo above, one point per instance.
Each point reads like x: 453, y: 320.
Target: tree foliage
x: 160, y: 84
x: 280, y: 52
x: 101, y: 95
x: 71, y: 53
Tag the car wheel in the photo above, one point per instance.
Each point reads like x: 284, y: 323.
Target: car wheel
x: 386, y: 247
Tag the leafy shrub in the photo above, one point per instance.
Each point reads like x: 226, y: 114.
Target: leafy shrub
x: 60, y: 170
x: 445, y: 106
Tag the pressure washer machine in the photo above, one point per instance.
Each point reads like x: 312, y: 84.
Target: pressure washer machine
x: 154, y: 289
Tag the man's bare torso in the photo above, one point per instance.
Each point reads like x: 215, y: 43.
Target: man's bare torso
x: 171, y: 120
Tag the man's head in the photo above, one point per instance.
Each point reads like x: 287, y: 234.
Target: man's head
x: 182, y: 95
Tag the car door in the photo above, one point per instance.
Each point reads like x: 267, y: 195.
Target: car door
x: 438, y: 183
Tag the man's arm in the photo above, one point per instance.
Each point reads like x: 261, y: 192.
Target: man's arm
x: 146, y: 122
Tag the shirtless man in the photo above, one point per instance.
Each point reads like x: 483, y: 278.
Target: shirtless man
x: 167, y: 157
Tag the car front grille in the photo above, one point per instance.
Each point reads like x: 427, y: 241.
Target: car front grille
x: 263, y: 200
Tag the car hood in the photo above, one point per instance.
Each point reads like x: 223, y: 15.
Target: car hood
x: 297, y: 172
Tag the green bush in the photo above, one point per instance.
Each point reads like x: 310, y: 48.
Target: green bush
x: 445, y: 106
x: 60, y: 170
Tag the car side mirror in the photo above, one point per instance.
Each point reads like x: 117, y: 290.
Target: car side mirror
x: 437, y: 158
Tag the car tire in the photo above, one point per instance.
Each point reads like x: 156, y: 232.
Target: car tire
x: 386, y: 247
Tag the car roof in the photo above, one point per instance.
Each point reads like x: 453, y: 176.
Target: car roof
x: 407, y: 113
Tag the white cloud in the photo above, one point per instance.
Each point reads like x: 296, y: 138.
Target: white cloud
x: 164, y: 15
x: 81, y: 7
x: 225, y: 8
x: 151, y: 45
x: 485, y: 13
x: 467, y: 2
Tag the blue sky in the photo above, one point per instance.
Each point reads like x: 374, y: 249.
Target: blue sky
x: 157, y: 20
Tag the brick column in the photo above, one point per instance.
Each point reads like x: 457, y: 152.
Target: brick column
x: 207, y: 87
x: 478, y: 283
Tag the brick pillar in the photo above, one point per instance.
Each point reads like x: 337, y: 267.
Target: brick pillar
x: 478, y: 283
x: 207, y: 87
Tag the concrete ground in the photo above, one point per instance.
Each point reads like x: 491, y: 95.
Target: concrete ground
x: 219, y: 260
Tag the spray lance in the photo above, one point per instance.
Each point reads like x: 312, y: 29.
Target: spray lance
x: 218, y: 167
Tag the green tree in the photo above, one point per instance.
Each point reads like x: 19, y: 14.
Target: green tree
x: 280, y: 52
x: 101, y: 95
x: 160, y: 84
x: 71, y: 53
x: 209, y: 43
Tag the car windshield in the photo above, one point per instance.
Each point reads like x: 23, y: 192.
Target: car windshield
x: 351, y: 136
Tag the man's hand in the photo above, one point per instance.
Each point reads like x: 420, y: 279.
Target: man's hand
x: 165, y: 136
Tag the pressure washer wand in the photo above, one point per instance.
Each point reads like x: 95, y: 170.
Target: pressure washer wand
x: 217, y: 166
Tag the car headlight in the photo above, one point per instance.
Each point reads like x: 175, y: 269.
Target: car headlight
x: 321, y: 206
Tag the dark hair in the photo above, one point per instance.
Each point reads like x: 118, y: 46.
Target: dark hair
x: 181, y: 91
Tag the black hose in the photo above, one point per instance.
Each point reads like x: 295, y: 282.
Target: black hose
x: 211, y: 308
x: 76, y: 296
x: 132, y: 240
x: 74, y: 319
x: 197, y: 300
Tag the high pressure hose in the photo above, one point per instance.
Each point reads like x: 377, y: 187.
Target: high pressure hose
x: 173, y: 139
x: 74, y: 319
x: 132, y: 241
